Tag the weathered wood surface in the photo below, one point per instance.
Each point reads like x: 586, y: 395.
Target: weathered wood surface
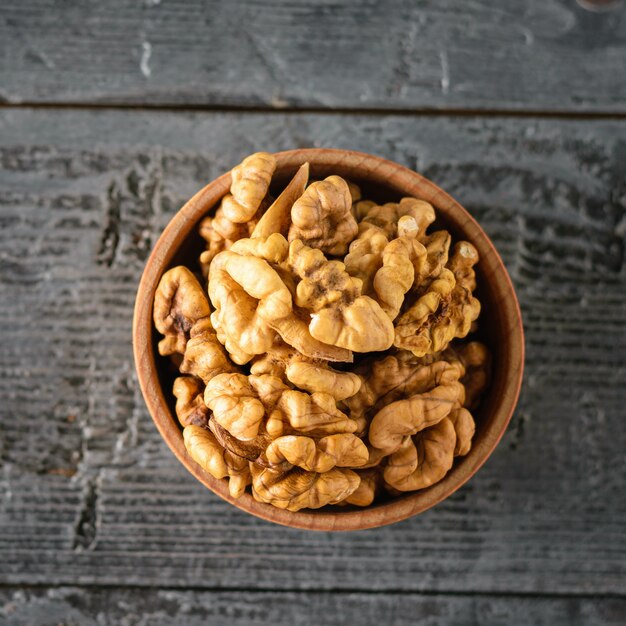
x: 91, y: 495
x: 73, y: 606
x: 512, y: 54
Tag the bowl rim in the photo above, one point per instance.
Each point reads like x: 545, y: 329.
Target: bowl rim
x: 182, y: 225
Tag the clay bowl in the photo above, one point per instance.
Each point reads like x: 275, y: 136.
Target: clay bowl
x: 500, y: 324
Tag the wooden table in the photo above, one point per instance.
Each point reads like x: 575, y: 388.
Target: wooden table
x: 113, y: 113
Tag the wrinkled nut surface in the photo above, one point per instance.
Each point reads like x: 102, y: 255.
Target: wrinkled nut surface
x: 387, y: 216
x: 477, y: 362
x: 402, y: 418
x: 298, y: 489
x: 464, y: 427
x: 312, y: 377
x: 205, y: 450
x: 190, y: 407
x: 340, y: 315
x: 250, y: 184
x: 321, y: 362
x: 204, y: 355
x: 179, y: 302
x: 340, y: 450
x: 322, y: 216
x: 365, y: 493
x: 423, y: 460
x: 314, y: 413
x: 247, y: 294
x: 220, y: 234
x: 365, y: 258
x: 397, y: 274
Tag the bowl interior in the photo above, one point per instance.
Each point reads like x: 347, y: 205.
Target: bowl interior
x: 499, y: 328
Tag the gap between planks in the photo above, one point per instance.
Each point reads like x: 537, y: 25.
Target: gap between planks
x: 399, y: 112
x: 311, y: 590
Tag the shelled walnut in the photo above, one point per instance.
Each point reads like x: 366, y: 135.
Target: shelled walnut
x: 321, y: 364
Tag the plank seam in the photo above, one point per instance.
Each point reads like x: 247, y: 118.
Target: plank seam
x: 339, y: 592
x: 399, y: 112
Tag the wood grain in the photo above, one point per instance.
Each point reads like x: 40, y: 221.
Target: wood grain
x: 71, y: 606
x: 92, y: 495
x: 520, y: 55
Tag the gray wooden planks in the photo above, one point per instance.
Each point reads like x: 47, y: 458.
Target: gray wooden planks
x: 72, y: 606
x: 91, y: 495
x: 513, y: 55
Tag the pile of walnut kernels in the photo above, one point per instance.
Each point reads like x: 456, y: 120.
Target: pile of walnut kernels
x: 277, y: 387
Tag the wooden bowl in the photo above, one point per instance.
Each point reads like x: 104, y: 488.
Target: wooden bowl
x: 500, y: 329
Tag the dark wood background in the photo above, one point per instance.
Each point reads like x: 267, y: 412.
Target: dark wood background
x: 113, y: 113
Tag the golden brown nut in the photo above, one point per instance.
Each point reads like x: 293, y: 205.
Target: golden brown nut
x: 423, y: 460
x: 239, y: 474
x: 420, y: 210
x: 387, y: 216
x: 398, y: 376
x: 295, y: 331
x: 477, y: 362
x: 462, y: 265
x: 340, y: 315
x: 251, y: 450
x: 250, y: 184
x: 315, y: 376
x: 464, y: 428
x: 361, y: 208
x: 207, y: 452
x: 219, y: 226
x: 190, y: 407
x: 215, y: 242
x: 269, y: 389
x: 235, y: 405
x: 366, y: 257
x: 322, y: 218
x: 339, y: 450
x: 411, y: 375
x: 246, y: 293
x: 179, y: 302
x: 403, y: 418
x: 345, y: 449
x: 205, y: 356
x: 397, y: 274
x: 355, y: 191
x: 240, y: 404
x: 274, y: 362
x: 419, y: 329
x: 395, y: 377
x: 242, y: 332
x: 220, y: 234
x: 315, y: 413
x: 252, y: 303
x: 366, y: 492
x: 446, y: 310
x: 299, y: 489
x: 273, y: 248
x: 429, y: 261
x: 312, y: 375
